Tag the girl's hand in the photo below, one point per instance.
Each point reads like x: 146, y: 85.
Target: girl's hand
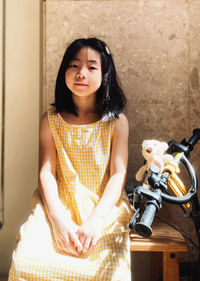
x: 90, y: 232
x: 64, y: 230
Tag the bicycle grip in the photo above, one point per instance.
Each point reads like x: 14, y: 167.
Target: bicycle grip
x: 195, y: 138
x: 143, y: 227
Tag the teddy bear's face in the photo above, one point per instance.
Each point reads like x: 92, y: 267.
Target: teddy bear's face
x: 153, y: 147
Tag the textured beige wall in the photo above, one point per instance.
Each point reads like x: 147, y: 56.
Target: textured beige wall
x: 155, y: 45
x: 150, y: 42
x: 22, y: 89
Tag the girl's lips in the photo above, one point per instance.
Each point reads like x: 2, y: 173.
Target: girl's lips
x: 80, y: 84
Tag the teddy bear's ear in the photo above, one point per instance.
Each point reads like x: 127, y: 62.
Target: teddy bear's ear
x: 164, y: 146
x: 145, y: 143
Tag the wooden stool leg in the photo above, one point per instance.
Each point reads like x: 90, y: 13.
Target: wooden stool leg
x: 170, y: 266
x: 156, y: 265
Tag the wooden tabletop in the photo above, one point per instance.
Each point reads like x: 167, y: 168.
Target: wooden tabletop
x: 163, y: 239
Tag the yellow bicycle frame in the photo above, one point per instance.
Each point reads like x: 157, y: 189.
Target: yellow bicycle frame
x: 174, y: 181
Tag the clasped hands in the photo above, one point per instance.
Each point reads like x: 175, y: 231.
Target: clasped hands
x: 74, y: 239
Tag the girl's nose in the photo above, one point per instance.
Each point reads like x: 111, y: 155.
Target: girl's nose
x: 81, y: 73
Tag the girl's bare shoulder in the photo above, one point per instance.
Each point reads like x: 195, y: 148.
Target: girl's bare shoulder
x: 44, y: 117
x: 121, y: 123
x: 44, y: 123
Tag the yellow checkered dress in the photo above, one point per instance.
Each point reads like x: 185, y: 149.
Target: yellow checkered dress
x: 83, y: 157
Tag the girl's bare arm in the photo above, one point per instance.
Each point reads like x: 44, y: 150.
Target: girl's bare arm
x: 63, y: 227
x: 118, y: 168
x: 91, y: 229
x: 47, y: 168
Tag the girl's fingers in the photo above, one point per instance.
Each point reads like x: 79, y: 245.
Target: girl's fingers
x: 94, y: 241
x: 62, y: 246
x: 86, y: 244
x: 93, y: 244
x: 69, y: 243
x: 58, y: 244
x: 73, y: 249
x: 76, y: 242
x: 69, y: 248
x: 81, y: 238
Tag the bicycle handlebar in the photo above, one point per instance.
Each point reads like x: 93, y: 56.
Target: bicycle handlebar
x: 184, y: 146
x: 155, y: 197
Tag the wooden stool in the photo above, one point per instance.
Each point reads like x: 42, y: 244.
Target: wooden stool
x: 165, y: 244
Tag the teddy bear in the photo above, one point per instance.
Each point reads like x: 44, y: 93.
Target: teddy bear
x: 154, y: 152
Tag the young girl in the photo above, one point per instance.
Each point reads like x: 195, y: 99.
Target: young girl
x: 78, y: 229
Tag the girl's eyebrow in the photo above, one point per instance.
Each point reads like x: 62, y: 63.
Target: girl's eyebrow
x: 93, y: 61
x: 75, y: 59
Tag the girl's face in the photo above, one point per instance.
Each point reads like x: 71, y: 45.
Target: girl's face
x: 83, y: 76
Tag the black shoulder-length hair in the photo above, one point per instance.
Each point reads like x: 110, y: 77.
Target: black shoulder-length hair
x: 110, y: 97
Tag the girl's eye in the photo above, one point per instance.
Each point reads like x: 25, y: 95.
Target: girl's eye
x: 73, y: 65
x: 92, y: 68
